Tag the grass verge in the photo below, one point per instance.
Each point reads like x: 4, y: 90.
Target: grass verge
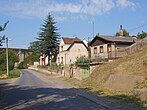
x: 12, y: 74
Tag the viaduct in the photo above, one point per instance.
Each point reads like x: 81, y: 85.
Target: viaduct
x: 22, y: 53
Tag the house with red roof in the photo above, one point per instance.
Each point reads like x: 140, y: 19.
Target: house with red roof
x: 70, y: 49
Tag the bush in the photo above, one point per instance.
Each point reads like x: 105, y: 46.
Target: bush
x: 82, y: 59
x: 54, y: 66
x: 14, y: 73
x: 29, y: 60
x: 22, y: 65
x: 12, y: 59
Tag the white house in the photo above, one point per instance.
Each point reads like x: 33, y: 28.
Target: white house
x: 70, y: 49
x: 43, y: 60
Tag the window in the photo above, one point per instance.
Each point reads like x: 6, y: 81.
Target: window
x: 61, y: 48
x: 62, y: 60
x: 109, y: 48
x: 101, y: 49
x: 95, y: 50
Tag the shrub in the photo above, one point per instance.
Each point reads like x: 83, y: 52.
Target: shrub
x: 54, y: 66
x: 82, y: 60
x: 22, y: 65
x: 12, y: 59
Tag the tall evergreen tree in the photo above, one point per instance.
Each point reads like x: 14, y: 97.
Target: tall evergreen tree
x: 49, y: 38
x: 2, y: 28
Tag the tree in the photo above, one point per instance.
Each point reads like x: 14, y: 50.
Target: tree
x: 12, y: 59
x: 35, y: 47
x: 142, y: 35
x: 49, y: 38
x: 125, y: 33
x: 2, y: 28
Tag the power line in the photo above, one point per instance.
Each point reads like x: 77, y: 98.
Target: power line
x: 138, y: 27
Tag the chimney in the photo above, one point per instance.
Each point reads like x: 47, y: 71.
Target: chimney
x: 121, y: 31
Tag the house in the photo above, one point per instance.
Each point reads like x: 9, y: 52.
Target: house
x: 43, y: 60
x: 70, y: 49
x: 106, y: 46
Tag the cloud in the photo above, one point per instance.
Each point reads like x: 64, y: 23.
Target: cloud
x: 40, y: 8
x: 125, y: 4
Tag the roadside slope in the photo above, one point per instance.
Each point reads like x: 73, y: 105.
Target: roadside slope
x: 135, y: 64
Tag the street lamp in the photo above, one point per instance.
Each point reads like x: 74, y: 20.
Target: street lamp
x: 7, y: 56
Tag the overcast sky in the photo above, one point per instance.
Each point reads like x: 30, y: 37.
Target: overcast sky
x: 75, y: 18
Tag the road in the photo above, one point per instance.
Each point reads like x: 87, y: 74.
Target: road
x: 36, y: 91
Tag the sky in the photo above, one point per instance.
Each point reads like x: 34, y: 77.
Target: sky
x: 74, y: 18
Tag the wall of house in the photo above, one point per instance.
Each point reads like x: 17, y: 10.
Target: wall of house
x: 105, y: 51
x: 76, y: 51
x: 65, y: 46
x: 69, y: 57
x: 43, y: 60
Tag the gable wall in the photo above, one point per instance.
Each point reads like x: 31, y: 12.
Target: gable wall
x: 77, y: 50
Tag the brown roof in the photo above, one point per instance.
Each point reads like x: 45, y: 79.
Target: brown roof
x: 70, y: 40
x: 115, y: 39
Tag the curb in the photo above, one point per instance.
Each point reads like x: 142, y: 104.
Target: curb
x: 93, y: 98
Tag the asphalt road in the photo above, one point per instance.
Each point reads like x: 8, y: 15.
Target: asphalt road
x: 36, y: 91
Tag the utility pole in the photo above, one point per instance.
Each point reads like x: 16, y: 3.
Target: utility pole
x: 88, y: 57
x: 7, y: 56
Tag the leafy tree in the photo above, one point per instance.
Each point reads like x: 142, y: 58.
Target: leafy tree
x: 142, y: 35
x: 49, y: 38
x: 29, y: 60
x: 36, y: 50
x: 12, y: 59
x: 2, y: 28
x: 125, y: 33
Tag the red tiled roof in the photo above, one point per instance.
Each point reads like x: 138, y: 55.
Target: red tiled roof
x: 70, y: 40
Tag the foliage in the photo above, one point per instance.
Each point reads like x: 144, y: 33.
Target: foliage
x: 82, y: 59
x: 2, y: 28
x: 125, y: 33
x: 48, y: 38
x: 28, y: 61
x: 14, y: 73
x: 35, y: 47
x: 54, y: 66
x: 22, y: 65
x: 12, y: 59
x: 142, y: 35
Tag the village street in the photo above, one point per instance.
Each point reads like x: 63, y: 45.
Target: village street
x: 35, y: 91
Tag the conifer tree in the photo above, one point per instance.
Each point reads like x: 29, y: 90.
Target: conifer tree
x: 49, y: 38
